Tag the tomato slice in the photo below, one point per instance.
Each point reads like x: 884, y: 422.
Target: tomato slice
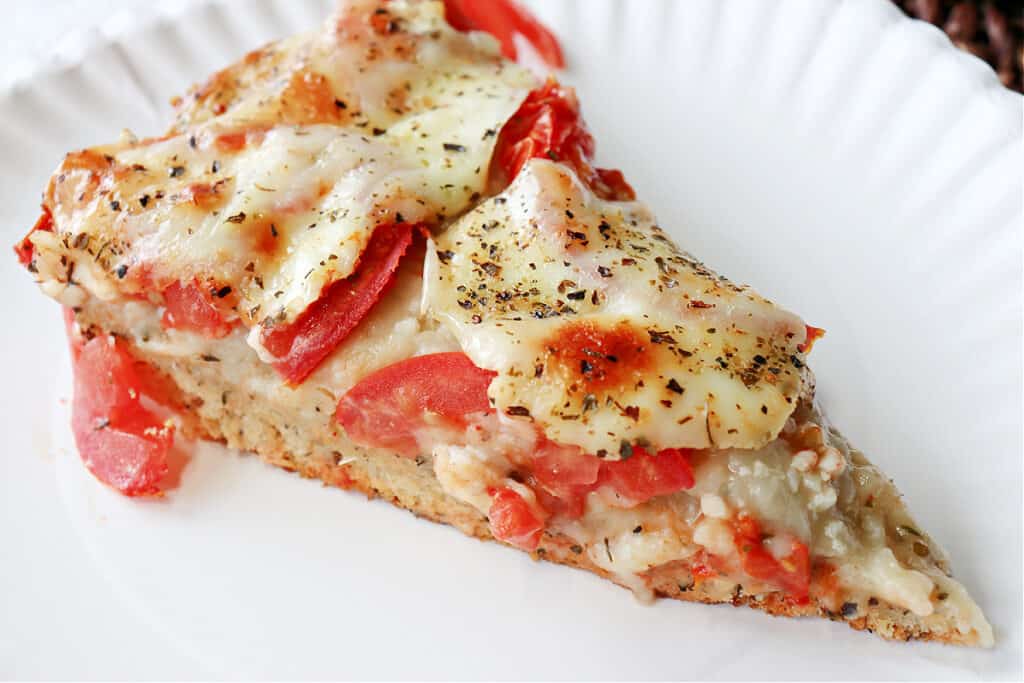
x: 548, y: 124
x: 302, y: 345
x: 561, y: 469
x: 503, y: 19
x: 187, y: 307
x: 122, y: 443
x: 514, y: 520
x: 643, y: 476
x: 791, y: 573
x: 25, y: 249
x: 387, y: 407
x: 562, y: 478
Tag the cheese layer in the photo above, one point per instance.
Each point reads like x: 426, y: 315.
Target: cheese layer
x: 281, y: 167
x: 603, y: 331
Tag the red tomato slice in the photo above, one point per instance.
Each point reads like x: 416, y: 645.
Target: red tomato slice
x: 123, y: 444
x: 385, y: 408
x: 503, y: 19
x: 131, y: 459
x: 301, y: 346
x: 643, y: 476
x: 514, y: 520
x: 25, y: 249
x: 791, y: 573
x: 189, y: 308
x: 548, y: 124
x: 562, y: 478
x: 559, y: 468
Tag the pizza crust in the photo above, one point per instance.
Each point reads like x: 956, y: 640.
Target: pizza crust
x: 210, y: 409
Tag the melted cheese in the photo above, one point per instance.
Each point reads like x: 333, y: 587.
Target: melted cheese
x: 602, y: 330
x: 274, y: 184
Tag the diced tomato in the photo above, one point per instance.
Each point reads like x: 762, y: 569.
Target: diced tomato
x: 548, y: 125
x: 514, y: 520
x: 131, y: 458
x: 386, y: 408
x: 121, y: 442
x: 813, y: 335
x: 302, y: 345
x: 791, y: 573
x: 188, y: 307
x: 643, y: 476
x: 503, y: 19
x: 567, y: 505
x: 562, y: 477
x: 562, y: 470
x: 25, y: 249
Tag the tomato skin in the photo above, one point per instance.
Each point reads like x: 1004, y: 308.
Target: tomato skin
x: 301, y: 346
x: 385, y: 408
x: 24, y: 249
x: 188, y: 308
x: 514, y: 520
x: 643, y: 476
x: 121, y: 442
x: 548, y: 125
x: 791, y: 573
x: 503, y: 19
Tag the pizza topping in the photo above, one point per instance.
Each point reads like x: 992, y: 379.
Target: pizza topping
x: 299, y: 347
x: 630, y: 363
x: 390, y: 407
x: 785, y: 565
x: 189, y: 307
x: 811, y: 335
x: 549, y: 125
x: 643, y: 476
x: 504, y: 19
x: 282, y: 167
x: 25, y: 249
x: 514, y: 520
x: 121, y: 442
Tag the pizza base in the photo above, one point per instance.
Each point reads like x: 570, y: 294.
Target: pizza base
x: 209, y: 409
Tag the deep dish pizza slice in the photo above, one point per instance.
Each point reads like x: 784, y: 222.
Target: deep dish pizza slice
x: 380, y: 255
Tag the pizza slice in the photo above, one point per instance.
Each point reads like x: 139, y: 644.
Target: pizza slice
x: 380, y: 255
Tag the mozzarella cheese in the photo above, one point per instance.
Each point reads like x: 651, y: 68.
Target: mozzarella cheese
x: 277, y: 194
x: 602, y: 330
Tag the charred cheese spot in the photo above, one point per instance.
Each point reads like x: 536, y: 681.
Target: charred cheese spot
x: 598, y: 359
x: 264, y: 238
x: 309, y: 98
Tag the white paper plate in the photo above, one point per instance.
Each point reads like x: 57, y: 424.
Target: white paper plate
x: 844, y: 160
